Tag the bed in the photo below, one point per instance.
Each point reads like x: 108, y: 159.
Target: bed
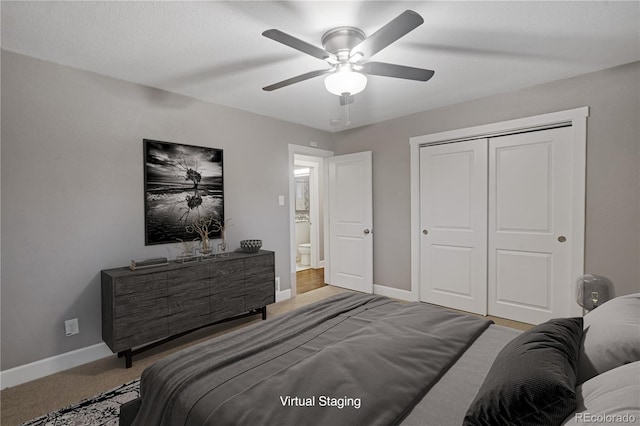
x: 356, y: 359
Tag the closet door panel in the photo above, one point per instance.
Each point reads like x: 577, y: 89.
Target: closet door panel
x: 452, y: 270
x: 529, y: 224
x: 523, y: 178
x: 453, y: 197
x: 530, y: 271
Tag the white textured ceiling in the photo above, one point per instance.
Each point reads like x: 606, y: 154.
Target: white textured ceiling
x: 215, y: 51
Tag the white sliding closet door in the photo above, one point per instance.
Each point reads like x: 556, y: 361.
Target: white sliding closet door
x: 453, y: 219
x: 529, y: 237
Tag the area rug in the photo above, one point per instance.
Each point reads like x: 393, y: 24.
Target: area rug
x: 102, y: 409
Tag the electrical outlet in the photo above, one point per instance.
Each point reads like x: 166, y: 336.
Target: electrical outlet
x: 277, y: 283
x: 71, y: 327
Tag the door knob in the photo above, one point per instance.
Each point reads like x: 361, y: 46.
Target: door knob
x: 562, y: 238
x: 366, y: 231
x: 425, y: 232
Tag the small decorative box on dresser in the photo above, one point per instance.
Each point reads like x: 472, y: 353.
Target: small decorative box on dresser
x: 147, y: 307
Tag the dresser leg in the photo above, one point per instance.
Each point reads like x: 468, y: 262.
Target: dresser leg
x: 264, y: 312
x: 127, y: 357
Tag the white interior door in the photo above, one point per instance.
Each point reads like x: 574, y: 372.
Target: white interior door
x: 530, y: 225
x: 350, y: 220
x: 453, y: 219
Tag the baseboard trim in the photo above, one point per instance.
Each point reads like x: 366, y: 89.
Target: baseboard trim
x: 55, y: 364
x: 394, y: 293
x: 283, y: 295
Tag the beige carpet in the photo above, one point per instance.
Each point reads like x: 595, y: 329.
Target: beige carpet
x: 33, y: 399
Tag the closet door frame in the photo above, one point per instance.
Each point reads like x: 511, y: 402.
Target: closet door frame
x: 577, y: 118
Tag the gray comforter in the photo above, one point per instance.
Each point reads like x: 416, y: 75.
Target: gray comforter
x: 351, y: 359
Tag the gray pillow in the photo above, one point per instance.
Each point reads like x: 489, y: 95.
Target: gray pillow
x: 610, y: 398
x: 611, y: 337
x: 532, y: 380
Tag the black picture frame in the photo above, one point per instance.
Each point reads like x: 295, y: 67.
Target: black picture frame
x: 181, y: 182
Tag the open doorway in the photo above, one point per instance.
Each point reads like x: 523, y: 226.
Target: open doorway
x: 306, y: 214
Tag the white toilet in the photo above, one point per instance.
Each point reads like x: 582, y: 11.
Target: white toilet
x: 305, y: 253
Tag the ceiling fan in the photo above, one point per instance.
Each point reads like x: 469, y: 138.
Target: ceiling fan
x: 346, y: 50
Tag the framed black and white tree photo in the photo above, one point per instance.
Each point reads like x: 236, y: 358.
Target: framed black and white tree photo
x: 181, y: 183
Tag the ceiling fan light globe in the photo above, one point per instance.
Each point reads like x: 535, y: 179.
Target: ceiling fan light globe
x: 342, y: 82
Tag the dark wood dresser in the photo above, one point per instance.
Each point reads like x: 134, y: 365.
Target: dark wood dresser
x: 147, y: 307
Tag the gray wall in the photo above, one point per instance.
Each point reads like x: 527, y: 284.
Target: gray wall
x: 613, y: 178
x: 72, y: 183
x: 72, y: 191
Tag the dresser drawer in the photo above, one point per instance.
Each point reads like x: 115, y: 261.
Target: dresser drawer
x: 142, y: 283
x: 192, y: 273
x: 189, y: 289
x: 259, y: 299
x: 226, y: 268
x: 141, y: 333
x: 259, y: 264
x: 258, y: 282
x: 183, y: 322
x: 224, y: 307
x: 233, y: 287
x: 260, y: 270
x: 142, y: 304
x: 193, y: 307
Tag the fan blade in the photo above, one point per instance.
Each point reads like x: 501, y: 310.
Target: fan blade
x: 300, y: 45
x: 297, y: 79
x: 392, y: 31
x: 397, y: 71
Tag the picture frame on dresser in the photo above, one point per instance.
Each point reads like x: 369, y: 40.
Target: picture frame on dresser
x: 181, y: 182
